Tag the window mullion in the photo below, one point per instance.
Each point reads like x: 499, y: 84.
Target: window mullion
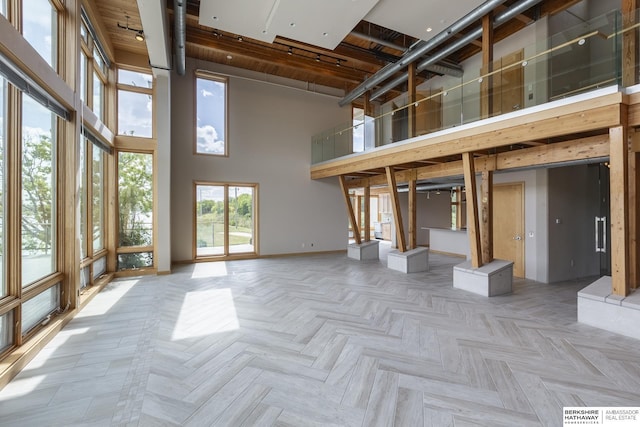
x: 226, y: 219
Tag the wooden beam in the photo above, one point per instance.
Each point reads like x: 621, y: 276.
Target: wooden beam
x: 583, y: 116
x: 473, y: 227
x: 352, y: 217
x: 411, y: 94
x: 593, y: 147
x: 486, y: 97
x: 367, y: 213
x: 629, y: 43
x: 619, y: 182
x: 486, y: 222
x: 413, y: 231
x: 395, y: 206
x: 634, y: 221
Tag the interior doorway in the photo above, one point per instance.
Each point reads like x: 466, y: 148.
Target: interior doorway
x: 508, y: 225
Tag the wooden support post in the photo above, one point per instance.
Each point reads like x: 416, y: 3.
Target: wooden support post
x: 486, y: 93
x: 395, y: 207
x: 413, y: 231
x: 629, y: 43
x: 352, y: 217
x: 411, y: 94
x: 634, y: 221
x: 487, y: 217
x: 473, y: 227
x: 619, y: 183
x: 367, y: 213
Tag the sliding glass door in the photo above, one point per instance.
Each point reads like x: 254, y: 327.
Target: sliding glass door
x: 225, y: 220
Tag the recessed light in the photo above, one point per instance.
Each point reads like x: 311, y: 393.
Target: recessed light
x: 292, y: 24
x: 325, y: 34
x: 229, y: 57
x: 264, y: 31
x: 429, y: 29
x: 215, y: 18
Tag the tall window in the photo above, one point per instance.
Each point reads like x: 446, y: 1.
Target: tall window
x: 135, y: 104
x: 38, y: 191
x: 93, y: 69
x: 211, y: 114
x: 135, y: 210
x: 40, y: 28
x: 225, y: 219
x: 3, y: 155
x: 97, y: 198
x: 84, y: 190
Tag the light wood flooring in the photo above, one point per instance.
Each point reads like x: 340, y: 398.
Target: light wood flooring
x: 322, y: 340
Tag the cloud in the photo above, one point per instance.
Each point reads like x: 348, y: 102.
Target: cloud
x: 208, y: 141
x: 206, y: 93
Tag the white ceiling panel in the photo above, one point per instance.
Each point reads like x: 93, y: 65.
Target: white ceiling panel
x: 323, y: 23
x: 243, y: 17
x: 414, y: 17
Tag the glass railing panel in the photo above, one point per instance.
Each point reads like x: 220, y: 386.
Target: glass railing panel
x: 577, y: 60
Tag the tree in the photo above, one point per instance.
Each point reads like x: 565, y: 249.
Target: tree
x: 37, y: 192
x: 135, y: 203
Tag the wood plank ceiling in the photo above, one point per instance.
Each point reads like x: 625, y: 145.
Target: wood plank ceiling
x: 364, y: 51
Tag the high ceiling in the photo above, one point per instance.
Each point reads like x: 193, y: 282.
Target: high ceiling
x: 333, y: 43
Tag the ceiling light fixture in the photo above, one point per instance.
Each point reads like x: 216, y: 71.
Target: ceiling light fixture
x: 139, y: 33
x: 337, y: 62
x: 239, y: 38
x: 317, y: 58
x: 290, y: 51
x: 581, y: 42
x: 429, y: 29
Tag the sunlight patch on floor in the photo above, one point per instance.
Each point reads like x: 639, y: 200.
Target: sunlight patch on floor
x: 105, y: 300
x: 205, y: 313
x: 209, y: 269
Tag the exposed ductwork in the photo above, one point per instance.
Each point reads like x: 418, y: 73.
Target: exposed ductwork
x: 468, y: 38
x: 420, y: 49
x: 458, y: 44
x: 179, y: 34
x: 378, y: 40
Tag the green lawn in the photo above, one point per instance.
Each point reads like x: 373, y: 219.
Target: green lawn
x: 212, y: 234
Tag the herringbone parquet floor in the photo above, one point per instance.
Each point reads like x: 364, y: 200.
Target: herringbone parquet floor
x: 322, y: 340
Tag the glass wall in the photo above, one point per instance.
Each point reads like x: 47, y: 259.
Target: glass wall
x: 135, y: 210
x: 3, y: 189
x: 38, y: 191
x: 135, y: 103
x: 40, y: 28
x: 97, y: 196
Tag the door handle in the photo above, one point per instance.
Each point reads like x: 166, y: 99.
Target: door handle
x: 601, y: 229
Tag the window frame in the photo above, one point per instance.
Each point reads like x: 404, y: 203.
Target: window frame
x: 207, y: 75
x: 227, y: 254
x: 140, y: 90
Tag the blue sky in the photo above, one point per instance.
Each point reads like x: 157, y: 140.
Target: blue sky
x: 210, y: 97
x: 38, y: 27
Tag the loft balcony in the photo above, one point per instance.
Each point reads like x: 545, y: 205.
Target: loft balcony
x: 569, y: 87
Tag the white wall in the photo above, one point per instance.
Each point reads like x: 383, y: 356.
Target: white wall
x: 432, y: 212
x: 269, y: 137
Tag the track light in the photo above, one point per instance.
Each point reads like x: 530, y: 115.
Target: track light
x: 317, y: 58
x: 139, y: 33
x: 290, y: 51
x: 337, y: 62
x: 239, y: 38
